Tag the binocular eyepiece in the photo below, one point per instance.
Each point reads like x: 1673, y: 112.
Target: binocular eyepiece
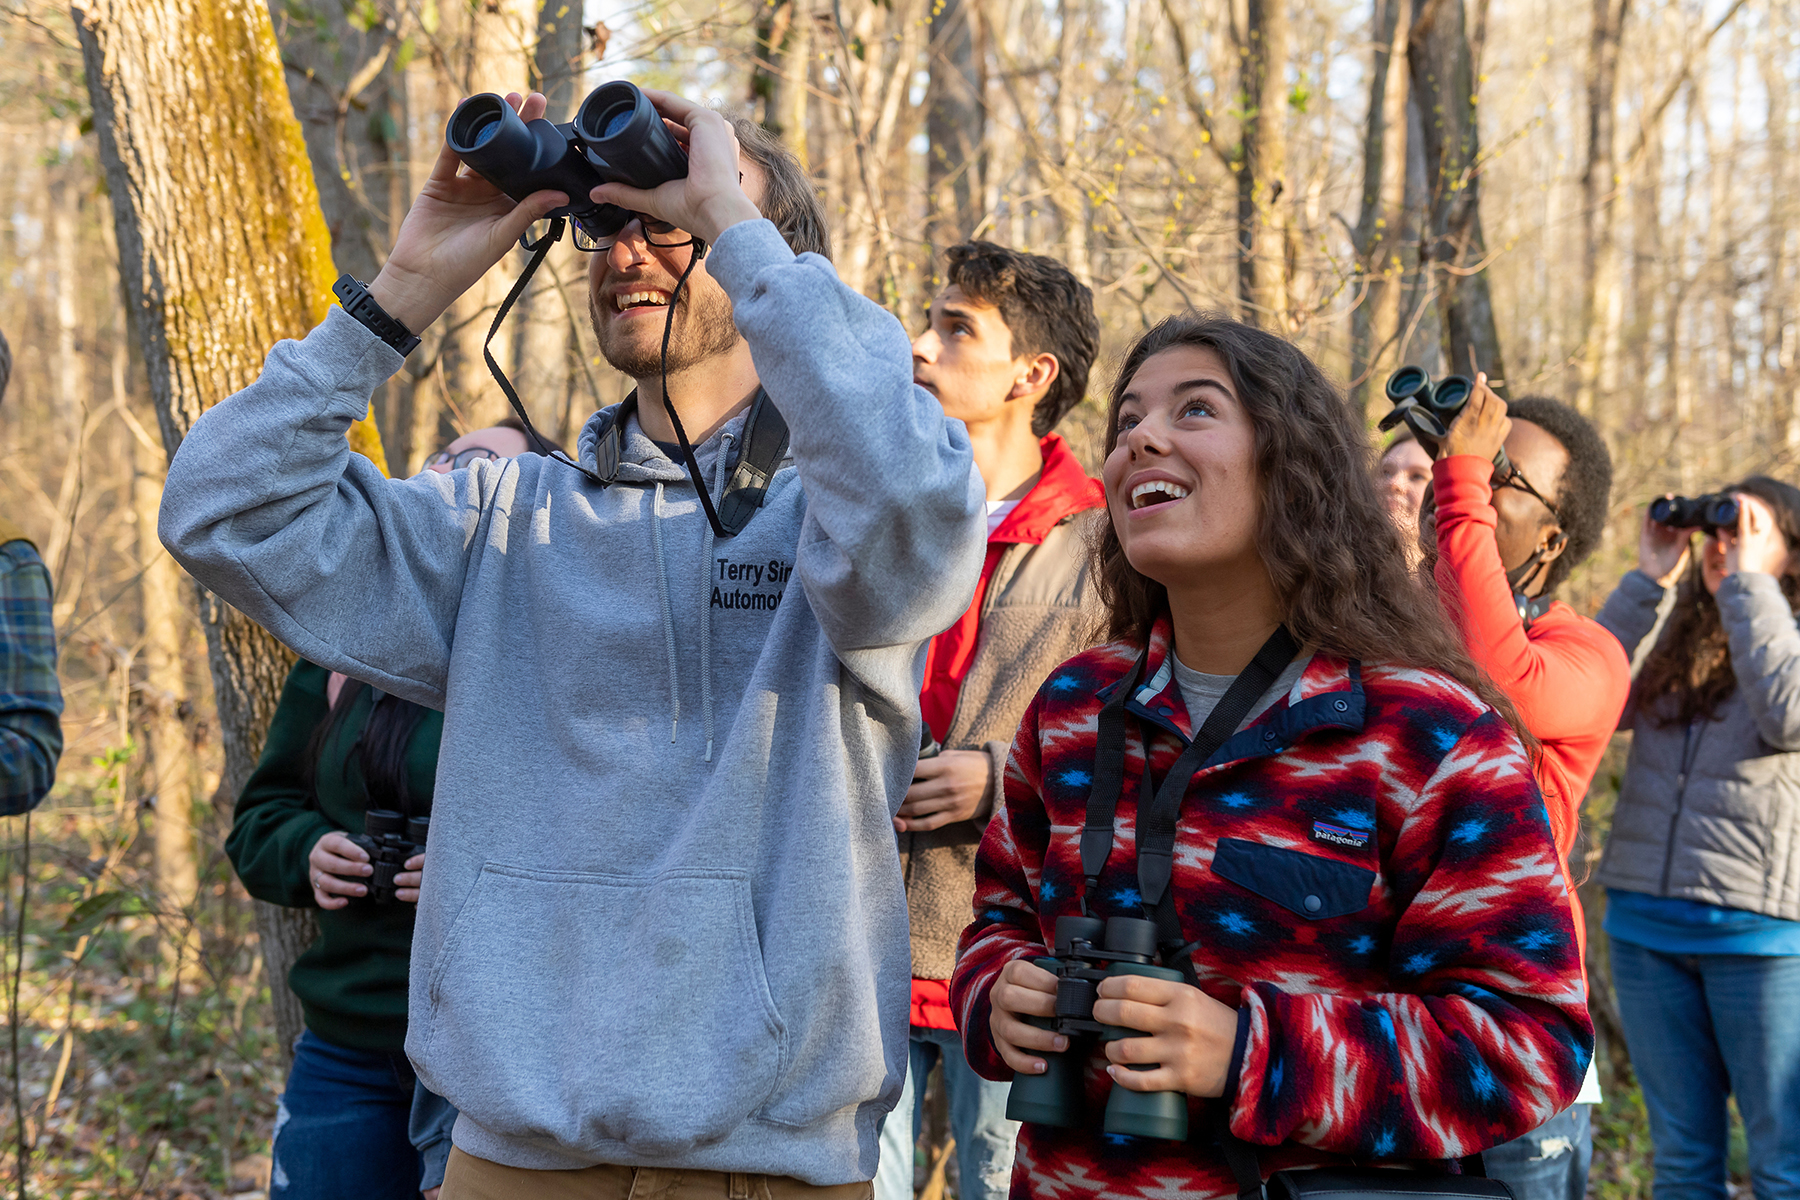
x: 389, y: 838
x: 1711, y: 512
x: 1089, y: 950
x: 617, y: 136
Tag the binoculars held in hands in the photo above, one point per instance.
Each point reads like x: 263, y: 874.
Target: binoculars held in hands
x: 617, y: 136
x: 1711, y: 512
x: 1428, y: 408
x: 1089, y: 950
x: 389, y: 838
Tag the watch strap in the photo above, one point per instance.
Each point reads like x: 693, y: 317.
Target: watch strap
x: 365, y: 308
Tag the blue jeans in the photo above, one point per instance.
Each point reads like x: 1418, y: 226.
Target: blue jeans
x: 1551, y: 1162
x: 984, y: 1137
x: 341, y: 1127
x: 1701, y: 1027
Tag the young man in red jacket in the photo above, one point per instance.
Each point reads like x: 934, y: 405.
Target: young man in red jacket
x: 1006, y: 352
x: 1503, y: 542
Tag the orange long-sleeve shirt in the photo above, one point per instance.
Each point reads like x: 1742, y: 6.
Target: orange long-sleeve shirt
x: 1567, y: 675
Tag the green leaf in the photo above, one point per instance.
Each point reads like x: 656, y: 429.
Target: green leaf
x: 98, y: 909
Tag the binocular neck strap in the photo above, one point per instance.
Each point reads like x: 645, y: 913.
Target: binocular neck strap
x: 765, y: 431
x: 1159, y: 808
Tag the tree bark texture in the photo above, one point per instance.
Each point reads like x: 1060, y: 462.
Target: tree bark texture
x: 222, y: 252
x: 541, y: 363
x: 1382, y: 241
x: 1262, y: 160
x: 1602, y: 304
x: 163, y: 709
x: 1443, y: 78
x: 955, y: 124
x: 351, y: 107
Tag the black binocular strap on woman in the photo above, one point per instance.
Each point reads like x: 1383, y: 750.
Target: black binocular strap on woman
x: 1159, y: 808
x: 1352, y: 1182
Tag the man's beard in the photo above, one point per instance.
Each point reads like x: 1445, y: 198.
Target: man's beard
x: 705, y: 329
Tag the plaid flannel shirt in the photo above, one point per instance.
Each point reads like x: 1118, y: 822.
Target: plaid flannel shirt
x: 30, y: 697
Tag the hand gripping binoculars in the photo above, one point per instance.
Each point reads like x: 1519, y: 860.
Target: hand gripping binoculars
x: 1711, y: 512
x: 389, y: 838
x: 1428, y: 408
x: 1087, y: 951
x: 617, y: 136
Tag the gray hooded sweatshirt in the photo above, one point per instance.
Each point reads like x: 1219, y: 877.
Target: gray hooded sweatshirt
x: 662, y: 921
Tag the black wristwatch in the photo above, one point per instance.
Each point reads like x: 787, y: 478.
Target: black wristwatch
x: 358, y: 303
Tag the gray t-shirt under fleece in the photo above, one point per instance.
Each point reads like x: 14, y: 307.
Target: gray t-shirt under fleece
x: 1202, y: 692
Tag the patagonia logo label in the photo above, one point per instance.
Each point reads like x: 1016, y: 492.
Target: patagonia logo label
x: 1337, y: 835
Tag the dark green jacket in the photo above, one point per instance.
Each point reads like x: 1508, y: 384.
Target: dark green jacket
x: 352, y: 981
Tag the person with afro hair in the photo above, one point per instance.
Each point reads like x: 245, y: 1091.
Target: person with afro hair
x: 1504, y: 538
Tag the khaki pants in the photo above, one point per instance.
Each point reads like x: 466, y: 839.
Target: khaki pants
x: 471, y: 1178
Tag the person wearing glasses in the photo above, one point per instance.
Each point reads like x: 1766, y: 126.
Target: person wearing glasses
x: 336, y: 749
x: 662, y: 942
x: 1702, y: 867
x: 1502, y: 541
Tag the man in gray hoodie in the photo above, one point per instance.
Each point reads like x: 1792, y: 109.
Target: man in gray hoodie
x: 662, y: 941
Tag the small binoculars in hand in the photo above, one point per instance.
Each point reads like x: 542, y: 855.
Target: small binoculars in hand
x: 389, y: 839
x: 1712, y: 512
x: 617, y: 136
x: 1428, y: 408
x: 1087, y: 951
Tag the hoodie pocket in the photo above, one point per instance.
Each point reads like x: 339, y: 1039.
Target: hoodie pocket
x: 589, y: 1008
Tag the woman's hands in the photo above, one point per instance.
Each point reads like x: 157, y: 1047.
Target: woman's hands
x: 1023, y: 989
x: 1190, y: 1035
x: 336, y: 863
x: 1757, y: 546
x: 1662, y: 551
x: 457, y: 229
x: 711, y: 198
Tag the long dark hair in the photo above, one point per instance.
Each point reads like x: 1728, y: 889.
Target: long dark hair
x: 1330, y: 548
x: 379, y: 749
x: 1692, y: 659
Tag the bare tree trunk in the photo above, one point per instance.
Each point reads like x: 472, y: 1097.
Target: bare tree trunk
x: 541, y: 372
x: 780, y: 77
x: 340, y: 70
x: 1381, y: 233
x: 1443, y: 79
x: 163, y: 706
x: 1066, y: 194
x: 1601, y: 301
x: 1262, y: 160
x: 194, y: 121
x: 955, y: 124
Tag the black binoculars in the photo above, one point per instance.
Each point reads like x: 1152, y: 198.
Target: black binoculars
x: 617, y: 136
x: 1428, y: 408
x: 1711, y: 512
x: 389, y: 839
x: 1087, y: 951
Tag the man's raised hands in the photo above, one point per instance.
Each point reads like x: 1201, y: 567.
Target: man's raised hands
x: 711, y: 199
x: 458, y: 228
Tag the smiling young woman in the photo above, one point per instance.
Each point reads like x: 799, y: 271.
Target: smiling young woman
x: 1365, y: 903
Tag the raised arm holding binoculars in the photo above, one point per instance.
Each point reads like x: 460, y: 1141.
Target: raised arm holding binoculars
x: 663, y: 926
x: 1518, y: 498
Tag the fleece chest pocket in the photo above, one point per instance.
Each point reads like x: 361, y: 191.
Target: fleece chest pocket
x: 1304, y: 884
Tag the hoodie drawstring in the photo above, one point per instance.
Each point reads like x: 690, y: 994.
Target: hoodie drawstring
x: 662, y: 591
x: 706, y: 701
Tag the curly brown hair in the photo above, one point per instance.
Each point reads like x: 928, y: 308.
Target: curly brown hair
x: 1691, y: 661
x: 1331, y: 551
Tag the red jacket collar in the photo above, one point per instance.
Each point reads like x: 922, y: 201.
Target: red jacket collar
x: 1063, y: 490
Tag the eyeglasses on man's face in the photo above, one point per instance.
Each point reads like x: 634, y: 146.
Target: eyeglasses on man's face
x: 657, y: 234
x: 1515, y: 479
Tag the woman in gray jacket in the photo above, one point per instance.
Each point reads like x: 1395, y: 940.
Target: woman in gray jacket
x: 1702, y: 869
